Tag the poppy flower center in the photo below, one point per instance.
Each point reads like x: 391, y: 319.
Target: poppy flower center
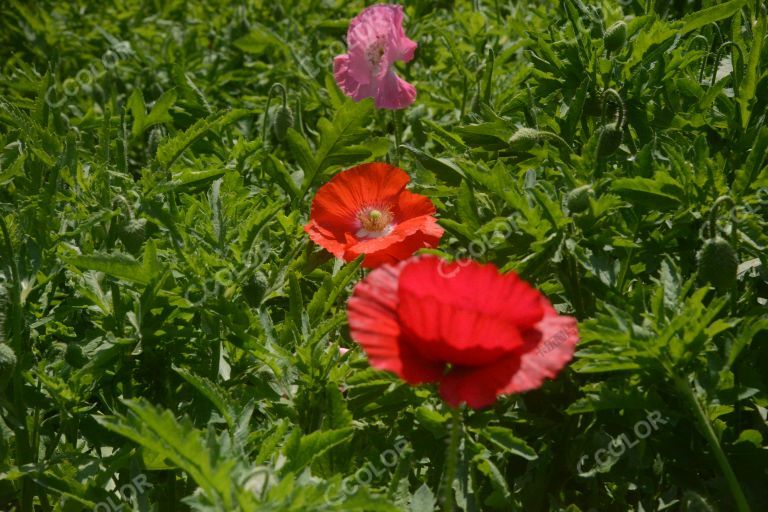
x: 374, y: 222
x: 375, y: 52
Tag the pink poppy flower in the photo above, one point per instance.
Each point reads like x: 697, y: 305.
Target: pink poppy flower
x: 376, y: 40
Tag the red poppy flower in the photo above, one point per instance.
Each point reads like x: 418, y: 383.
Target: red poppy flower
x: 367, y: 210
x: 475, y: 332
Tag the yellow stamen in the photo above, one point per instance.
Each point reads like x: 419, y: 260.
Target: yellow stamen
x: 375, y: 220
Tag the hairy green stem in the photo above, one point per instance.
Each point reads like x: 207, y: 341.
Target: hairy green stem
x: 713, y: 214
x: 709, y: 433
x: 21, y: 434
x: 451, y: 460
x: 473, y: 63
x: 396, y: 119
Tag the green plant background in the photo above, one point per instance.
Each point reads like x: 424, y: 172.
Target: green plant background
x: 172, y: 322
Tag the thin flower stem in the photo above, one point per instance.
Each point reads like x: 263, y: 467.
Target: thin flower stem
x: 396, y: 119
x: 451, y: 460
x: 472, y: 63
x: 713, y: 214
x: 265, y: 122
x: 709, y: 433
x: 24, y: 452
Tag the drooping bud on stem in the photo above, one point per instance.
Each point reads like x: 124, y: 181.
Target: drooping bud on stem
x: 577, y: 199
x: 615, y: 37
x: 525, y: 138
x: 611, y: 135
x: 736, y: 71
x: 7, y: 364
x: 718, y: 262
x: 284, y: 118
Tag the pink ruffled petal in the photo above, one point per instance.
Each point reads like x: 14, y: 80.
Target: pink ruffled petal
x: 376, y: 40
x: 350, y: 85
x: 403, y: 48
x: 395, y: 93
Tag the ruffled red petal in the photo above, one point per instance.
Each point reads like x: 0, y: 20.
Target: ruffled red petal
x: 410, y: 205
x: 391, y: 318
x: 334, y: 221
x: 407, y: 238
x: 478, y: 386
x: 548, y: 348
x: 373, y: 324
x: 337, y: 203
x: 325, y: 239
x: 471, y: 316
x: 550, y: 345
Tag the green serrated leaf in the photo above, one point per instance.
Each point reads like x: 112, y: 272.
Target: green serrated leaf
x: 120, y: 266
x: 505, y: 439
x: 302, y: 450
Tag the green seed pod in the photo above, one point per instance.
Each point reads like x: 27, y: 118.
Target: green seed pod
x: 155, y: 136
x: 133, y: 234
x: 615, y: 37
x: 577, y: 199
x: 593, y: 105
x: 256, y: 289
x: 7, y: 360
x: 284, y: 119
x: 718, y: 264
x: 74, y: 356
x: 524, y: 139
x: 610, y: 139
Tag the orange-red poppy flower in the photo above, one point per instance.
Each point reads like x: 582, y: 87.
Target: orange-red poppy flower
x: 475, y: 332
x: 366, y: 210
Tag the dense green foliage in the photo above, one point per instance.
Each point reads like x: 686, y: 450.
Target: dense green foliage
x: 172, y: 335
